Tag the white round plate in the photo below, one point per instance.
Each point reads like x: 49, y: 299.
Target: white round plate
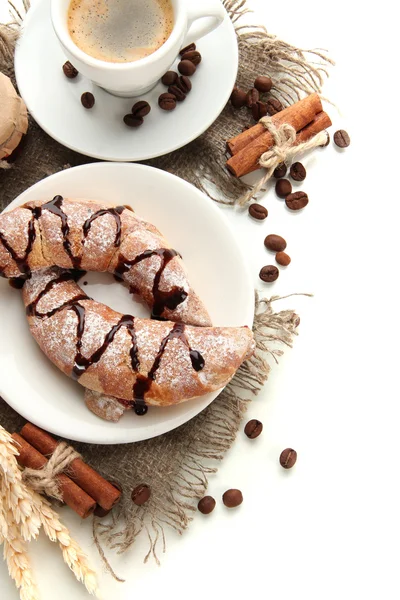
x: 54, y: 101
x: 196, y: 227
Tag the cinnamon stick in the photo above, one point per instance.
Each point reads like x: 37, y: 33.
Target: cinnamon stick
x: 105, y: 494
x: 72, y: 494
x: 247, y: 159
x: 298, y: 115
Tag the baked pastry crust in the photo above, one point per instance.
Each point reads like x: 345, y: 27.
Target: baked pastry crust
x: 92, y: 236
x: 159, y: 362
x: 13, y: 118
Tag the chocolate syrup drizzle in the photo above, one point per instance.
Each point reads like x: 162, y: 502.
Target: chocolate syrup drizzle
x: 82, y: 364
x: 162, y: 300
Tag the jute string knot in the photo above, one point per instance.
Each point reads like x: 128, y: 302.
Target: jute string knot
x: 44, y: 481
x: 284, y: 150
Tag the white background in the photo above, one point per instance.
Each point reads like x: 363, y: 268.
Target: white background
x: 329, y: 528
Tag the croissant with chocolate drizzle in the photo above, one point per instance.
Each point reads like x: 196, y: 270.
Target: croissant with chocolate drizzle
x: 92, y: 236
x: 137, y: 361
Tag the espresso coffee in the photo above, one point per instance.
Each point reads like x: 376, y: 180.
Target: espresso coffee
x: 120, y: 30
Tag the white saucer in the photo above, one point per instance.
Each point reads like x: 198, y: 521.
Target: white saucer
x: 54, y: 101
x: 196, y: 227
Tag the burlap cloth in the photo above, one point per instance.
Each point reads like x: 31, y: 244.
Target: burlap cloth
x: 176, y: 464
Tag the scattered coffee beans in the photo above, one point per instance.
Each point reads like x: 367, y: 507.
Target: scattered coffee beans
x: 298, y: 172
x: 296, y: 201
x: 273, y: 106
x: 141, y: 109
x: 253, y: 429
x: 341, y: 138
x: 177, y: 92
x: 238, y: 98
x: 170, y: 78
x: 258, y: 212
x: 184, y: 84
x: 167, y: 101
x: 132, y: 120
x: 259, y: 110
x: 141, y: 494
x: 252, y: 97
x: 206, y: 505
x: 87, y: 100
x: 280, y: 171
x: 263, y: 84
x: 275, y: 243
x: 193, y: 56
x: 288, y: 458
x: 283, y: 259
x: 283, y: 188
x: 269, y: 274
x: 188, y: 48
x: 69, y: 70
x: 186, y: 67
x: 232, y: 498
x: 328, y: 139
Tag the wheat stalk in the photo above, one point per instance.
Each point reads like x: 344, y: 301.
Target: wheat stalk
x: 22, y: 513
x: 14, y: 492
x: 73, y: 555
x: 16, y: 556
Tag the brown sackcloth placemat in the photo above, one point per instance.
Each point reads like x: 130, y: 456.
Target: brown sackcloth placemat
x: 176, y: 464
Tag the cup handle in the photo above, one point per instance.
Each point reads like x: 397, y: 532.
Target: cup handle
x: 210, y: 13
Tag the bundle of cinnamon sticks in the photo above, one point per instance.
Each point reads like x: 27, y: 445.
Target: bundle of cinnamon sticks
x: 306, y: 116
x: 83, y: 489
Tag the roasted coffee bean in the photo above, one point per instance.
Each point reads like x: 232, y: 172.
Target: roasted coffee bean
x: 341, y: 138
x: 188, y: 48
x: 273, y: 106
x: 238, y: 98
x: 252, y: 97
x: 296, y: 201
x: 206, y: 505
x: 101, y: 512
x: 269, y: 274
x: 328, y: 139
x: 141, y: 109
x: 170, y: 78
x: 298, y: 172
x: 263, y: 84
x: 275, y: 243
x: 69, y: 70
x: 232, y: 498
x: 141, y: 494
x: 253, y: 429
x: 283, y: 188
x: 288, y: 458
x: 87, y: 100
x: 259, y: 110
x: 132, y: 120
x: 193, y: 56
x: 283, y: 259
x: 186, y: 67
x: 184, y: 84
x: 280, y: 171
x: 258, y: 212
x: 177, y: 92
x: 167, y: 101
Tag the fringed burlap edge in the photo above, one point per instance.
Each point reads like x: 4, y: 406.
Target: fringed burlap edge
x: 273, y: 332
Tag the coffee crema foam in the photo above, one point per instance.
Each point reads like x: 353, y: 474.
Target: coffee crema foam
x: 120, y: 30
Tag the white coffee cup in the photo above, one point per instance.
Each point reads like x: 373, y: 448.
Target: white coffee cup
x: 138, y: 77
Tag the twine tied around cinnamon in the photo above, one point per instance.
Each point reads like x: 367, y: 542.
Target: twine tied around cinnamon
x: 44, y: 481
x: 283, y: 150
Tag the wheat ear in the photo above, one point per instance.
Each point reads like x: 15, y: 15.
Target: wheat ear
x: 73, y: 555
